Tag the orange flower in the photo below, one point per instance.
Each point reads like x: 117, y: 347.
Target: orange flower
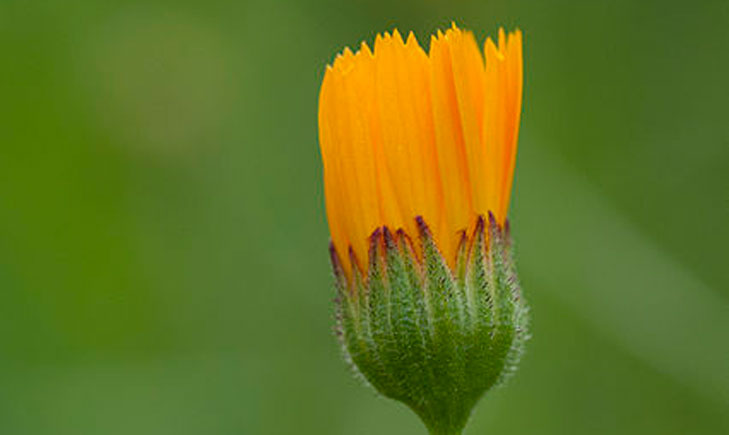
x: 405, y: 134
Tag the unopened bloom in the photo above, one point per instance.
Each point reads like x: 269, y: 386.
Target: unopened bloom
x: 419, y: 152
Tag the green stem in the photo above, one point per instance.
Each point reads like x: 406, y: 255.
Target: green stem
x: 445, y: 432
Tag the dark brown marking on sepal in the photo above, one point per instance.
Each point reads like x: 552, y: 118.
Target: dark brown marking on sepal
x: 478, y: 231
x: 404, y: 241
x: 496, y: 233
x: 391, y: 251
x: 375, y: 248
x: 462, y: 248
x: 427, y: 243
x: 425, y: 236
x: 492, y: 221
x: 407, y: 246
x: 337, y: 265
x: 388, y: 239
x: 422, y: 226
x: 480, y: 224
x: 353, y: 257
x: 407, y: 249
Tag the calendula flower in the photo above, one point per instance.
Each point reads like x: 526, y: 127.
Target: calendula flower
x: 419, y: 152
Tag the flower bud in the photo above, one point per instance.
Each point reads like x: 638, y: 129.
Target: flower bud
x: 419, y: 152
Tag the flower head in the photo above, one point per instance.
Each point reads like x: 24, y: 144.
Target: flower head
x: 405, y: 133
x: 418, y: 154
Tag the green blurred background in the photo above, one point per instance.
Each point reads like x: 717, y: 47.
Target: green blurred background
x: 163, y: 242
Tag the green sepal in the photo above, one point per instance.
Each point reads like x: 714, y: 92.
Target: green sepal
x: 431, y: 337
